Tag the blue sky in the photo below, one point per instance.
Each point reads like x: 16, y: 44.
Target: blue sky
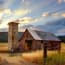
x: 49, y: 15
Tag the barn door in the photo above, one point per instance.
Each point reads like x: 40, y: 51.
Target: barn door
x: 29, y: 44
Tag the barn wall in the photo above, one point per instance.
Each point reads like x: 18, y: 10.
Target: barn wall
x: 53, y: 45
x: 22, y: 42
x: 36, y: 44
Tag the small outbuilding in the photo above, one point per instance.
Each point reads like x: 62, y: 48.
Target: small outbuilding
x: 35, y: 39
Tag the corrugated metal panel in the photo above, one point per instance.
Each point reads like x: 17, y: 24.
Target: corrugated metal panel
x: 34, y: 34
x: 41, y: 35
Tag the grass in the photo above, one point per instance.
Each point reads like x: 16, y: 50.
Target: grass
x: 32, y: 56
x: 54, y: 58
x: 3, y: 46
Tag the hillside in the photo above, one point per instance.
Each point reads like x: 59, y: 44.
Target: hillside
x: 62, y: 38
x: 4, y: 36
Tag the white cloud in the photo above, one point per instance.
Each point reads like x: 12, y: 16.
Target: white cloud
x: 1, y: 15
x: 2, y: 12
x: 5, y: 24
x: 23, y: 0
x: 10, y: 15
x: 7, y: 11
x: 45, y: 14
x: 18, y: 12
x: 21, y: 12
x: 56, y: 14
x: 26, y: 20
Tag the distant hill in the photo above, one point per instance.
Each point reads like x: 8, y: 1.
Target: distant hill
x: 62, y: 38
x: 4, y: 36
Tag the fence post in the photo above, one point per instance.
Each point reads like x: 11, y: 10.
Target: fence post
x: 45, y: 52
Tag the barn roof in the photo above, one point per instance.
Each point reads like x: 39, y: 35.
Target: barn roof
x: 41, y: 35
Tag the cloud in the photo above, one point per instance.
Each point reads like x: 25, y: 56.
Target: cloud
x: 45, y: 14
x: 55, y: 14
x: 4, y: 30
x: 50, y: 14
x: 5, y: 24
x: 26, y: 20
x: 5, y: 3
x: 29, y: 20
x: 47, y: 17
x: 7, y: 11
x: 29, y: 26
x: 23, y: 21
x: 21, y: 12
x: 4, y: 11
x: 60, y: 1
x: 9, y: 15
x: 63, y: 15
x: 60, y: 31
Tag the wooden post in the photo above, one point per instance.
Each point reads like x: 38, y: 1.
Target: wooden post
x: 59, y: 48
x: 45, y: 52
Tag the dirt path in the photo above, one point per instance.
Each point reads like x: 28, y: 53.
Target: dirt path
x: 14, y: 60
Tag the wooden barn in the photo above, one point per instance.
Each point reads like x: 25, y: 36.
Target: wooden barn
x: 35, y: 39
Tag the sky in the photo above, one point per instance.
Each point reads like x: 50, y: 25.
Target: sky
x: 48, y: 15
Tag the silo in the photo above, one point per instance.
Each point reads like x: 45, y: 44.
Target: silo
x: 13, y: 36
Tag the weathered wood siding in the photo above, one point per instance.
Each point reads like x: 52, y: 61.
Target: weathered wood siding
x: 36, y: 44
x: 22, y: 43
x: 13, y: 36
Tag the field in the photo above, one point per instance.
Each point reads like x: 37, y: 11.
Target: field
x: 32, y: 58
x: 3, y: 46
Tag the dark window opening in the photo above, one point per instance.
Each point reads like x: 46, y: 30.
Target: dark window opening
x: 41, y: 41
x: 29, y: 44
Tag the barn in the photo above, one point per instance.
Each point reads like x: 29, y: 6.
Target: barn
x: 35, y: 39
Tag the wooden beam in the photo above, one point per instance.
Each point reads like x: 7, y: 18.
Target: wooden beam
x: 45, y: 52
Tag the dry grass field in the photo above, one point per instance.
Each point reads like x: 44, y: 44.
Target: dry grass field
x: 29, y: 57
x: 3, y: 46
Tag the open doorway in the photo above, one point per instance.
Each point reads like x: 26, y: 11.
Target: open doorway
x: 29, y: 44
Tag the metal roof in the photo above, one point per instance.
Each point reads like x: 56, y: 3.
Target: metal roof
x: 41, y: 35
